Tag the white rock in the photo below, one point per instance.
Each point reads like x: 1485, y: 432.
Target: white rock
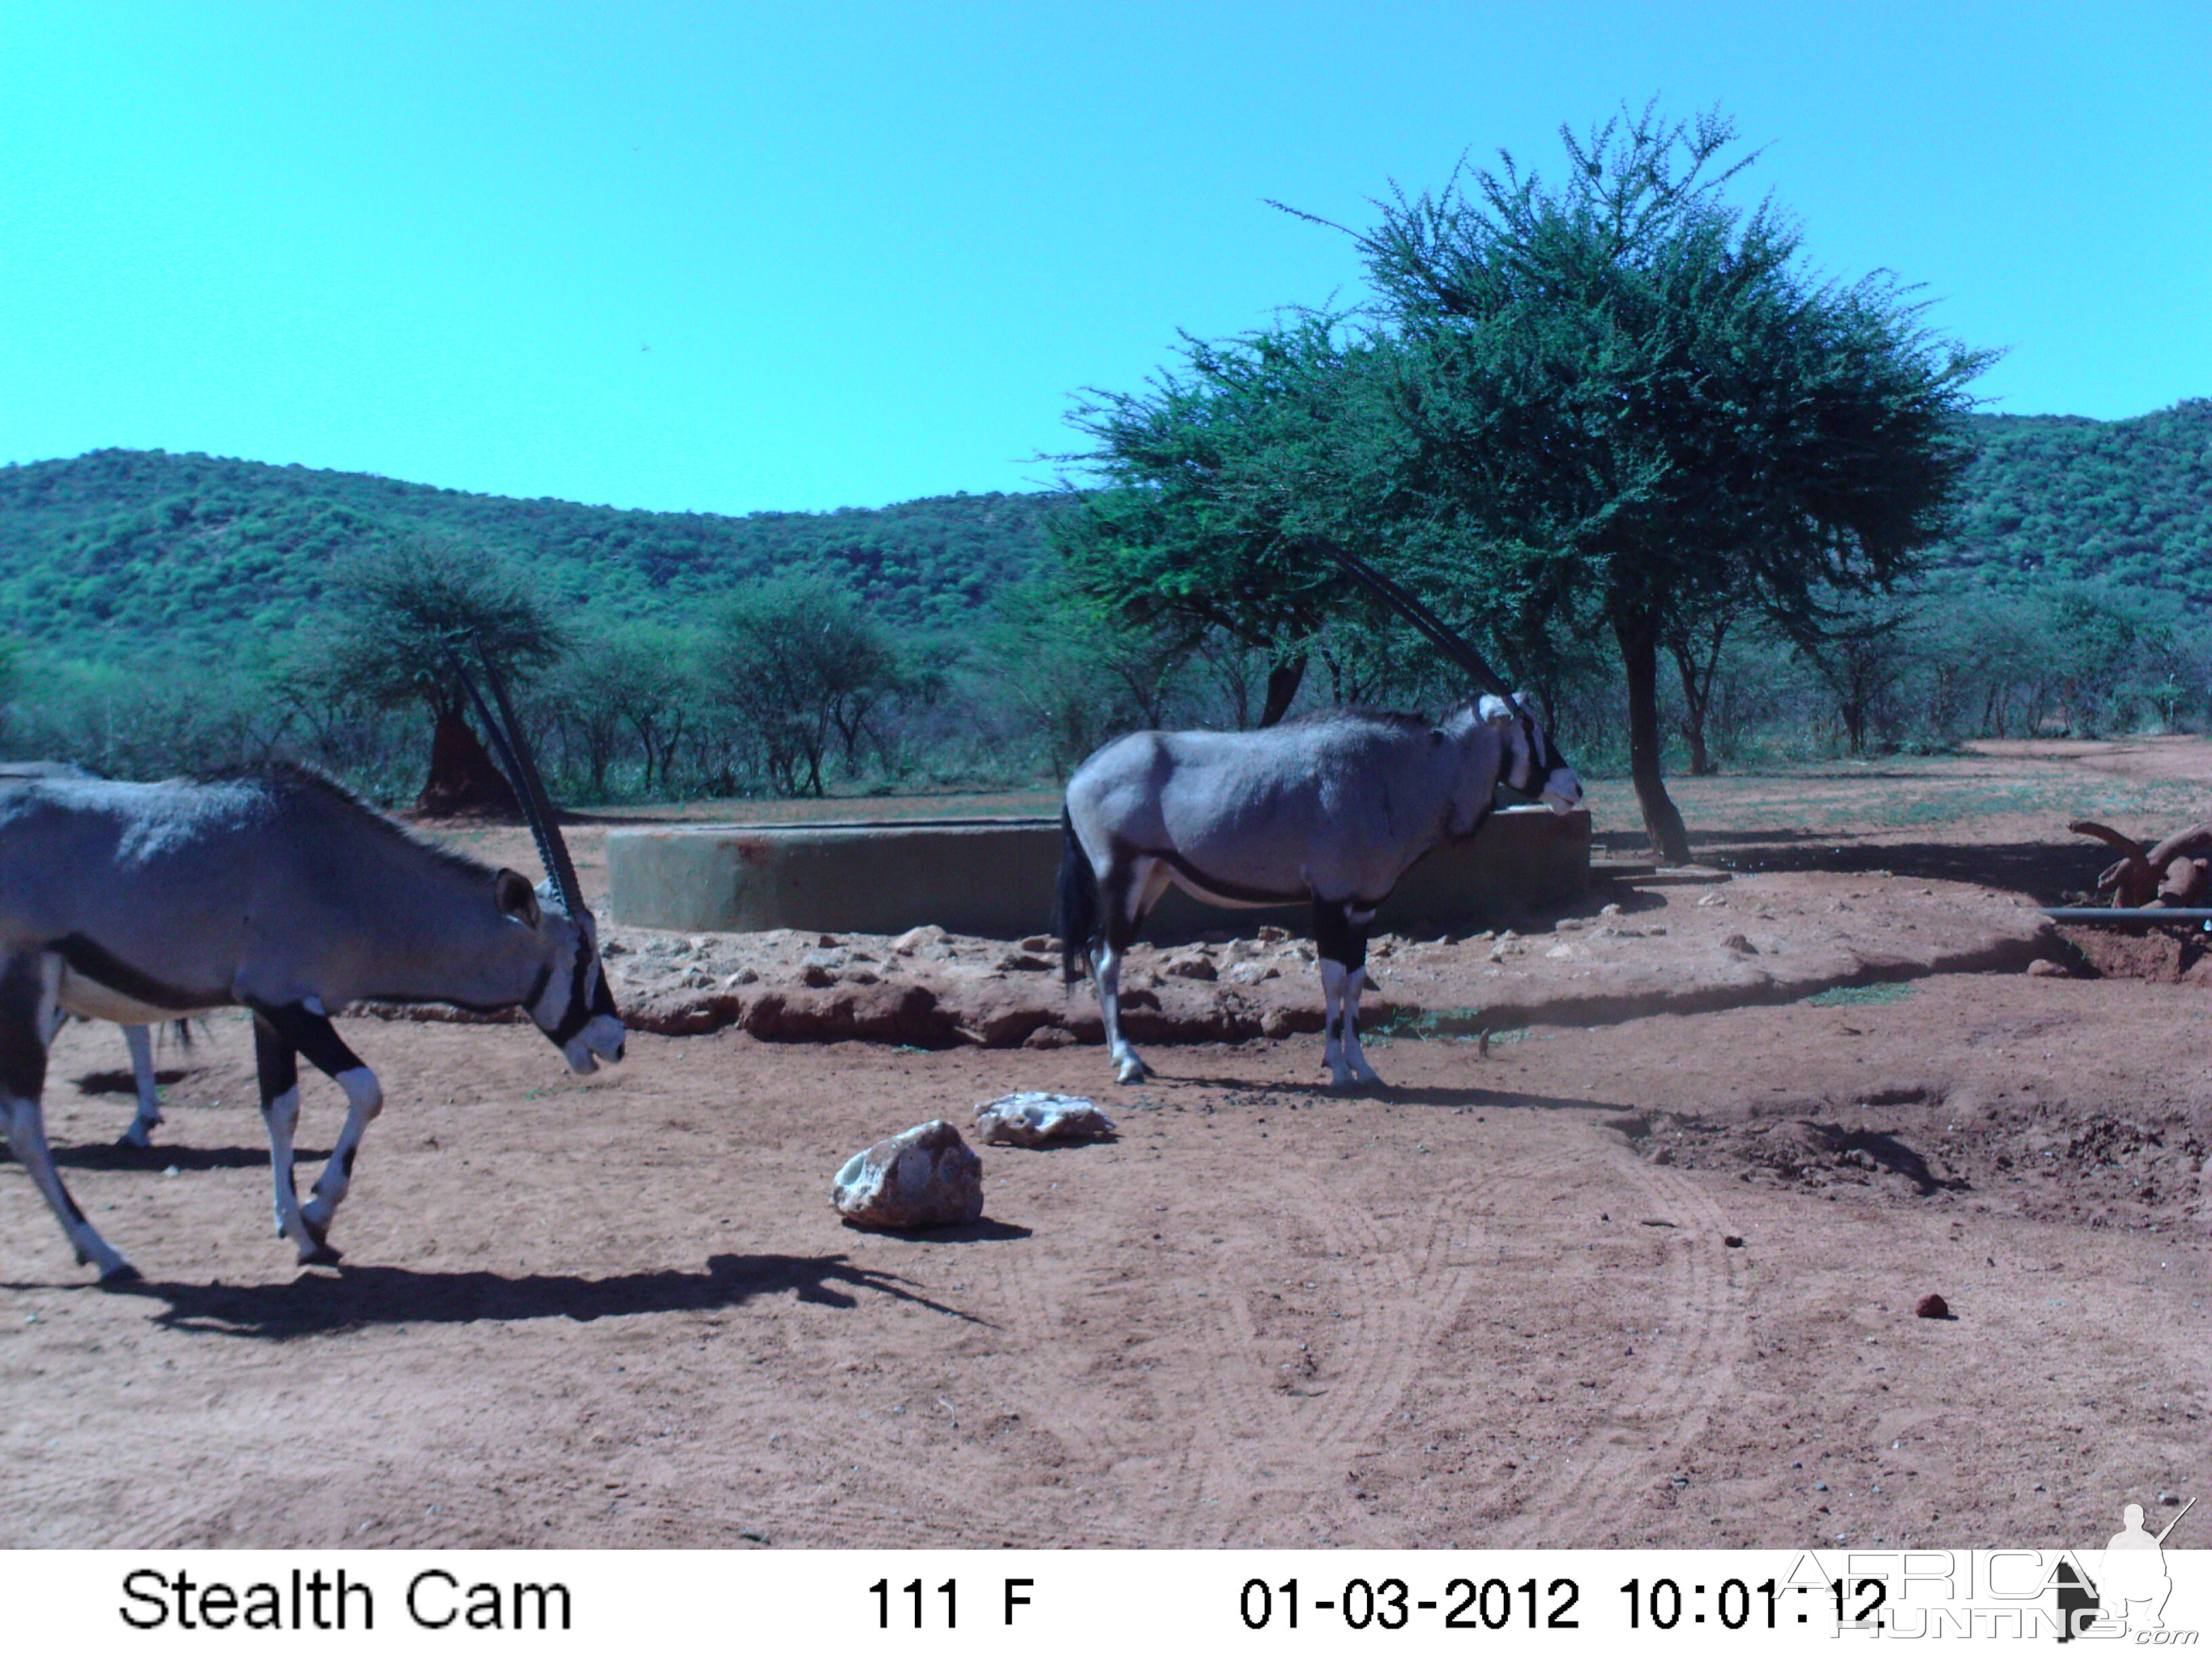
x: 926, y: 1177
x: 914, y: 938
x: 1032, y: 1118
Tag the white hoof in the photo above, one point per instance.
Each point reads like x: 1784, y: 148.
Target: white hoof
x: 1132, y: 1070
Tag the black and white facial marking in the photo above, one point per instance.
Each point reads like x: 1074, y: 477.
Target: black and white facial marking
x: 1531, y: 765
x: 570, y: 998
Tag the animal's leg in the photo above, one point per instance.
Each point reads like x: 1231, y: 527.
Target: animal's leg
x: 26, y: 1016
x: 1341, y: 928
x: 279, y: 1063
x: 1127, y: 891
x: 141, y: 1131
x: 309, y: 1030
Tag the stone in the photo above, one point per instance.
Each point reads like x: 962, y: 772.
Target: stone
x: 2045, y: 968
x: 915, y: 938
x: 1740, y: 944
x: 1932, y: 1307
x: 1032, y: 1118
x: 925, y: 1177
x: 1042, y: 944
x: 1194, y: 966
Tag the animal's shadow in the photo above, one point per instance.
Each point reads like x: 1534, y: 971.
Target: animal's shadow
x: 159, y: 1158
x: 126, y: 1083
x: 316, y: 1304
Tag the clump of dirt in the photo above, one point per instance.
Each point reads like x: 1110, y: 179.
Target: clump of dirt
x: 1800, y: 1153
x: 2177, y: 953
x: 2052, y: 1162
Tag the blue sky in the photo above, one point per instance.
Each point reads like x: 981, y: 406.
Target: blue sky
x: 736, y: 256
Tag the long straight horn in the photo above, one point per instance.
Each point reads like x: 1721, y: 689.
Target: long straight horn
x: 1425, y: 620
x: 505, y: 734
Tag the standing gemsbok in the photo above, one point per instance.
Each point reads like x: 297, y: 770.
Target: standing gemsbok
x: 280, y: 892
x: 1330, y: 810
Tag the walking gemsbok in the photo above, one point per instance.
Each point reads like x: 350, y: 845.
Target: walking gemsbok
x: 278, y: 891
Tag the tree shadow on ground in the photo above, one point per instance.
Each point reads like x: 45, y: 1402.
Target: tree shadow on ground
x: 1249, y: 1092
x: 321, y: 1304
x: 2049, y: 872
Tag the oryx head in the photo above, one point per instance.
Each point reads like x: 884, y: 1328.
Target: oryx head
x: 571, y: 1002
x: 1530, y: 765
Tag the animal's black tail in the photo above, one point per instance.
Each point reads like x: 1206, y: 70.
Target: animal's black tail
x: 1076, y: 922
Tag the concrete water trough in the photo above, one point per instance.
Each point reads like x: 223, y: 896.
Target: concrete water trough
x: 996, y: 878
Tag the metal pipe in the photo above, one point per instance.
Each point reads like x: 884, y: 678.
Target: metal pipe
x: 2126, y: 918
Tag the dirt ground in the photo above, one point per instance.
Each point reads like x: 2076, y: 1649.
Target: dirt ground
x: 1627, y: 1253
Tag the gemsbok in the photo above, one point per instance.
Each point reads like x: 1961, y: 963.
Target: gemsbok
x: 278, y: 891
x: 1329, y: 811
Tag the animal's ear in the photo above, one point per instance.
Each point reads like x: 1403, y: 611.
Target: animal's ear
x: 1529, y: 706
x: 515, y: 897
x: 1495, y: 710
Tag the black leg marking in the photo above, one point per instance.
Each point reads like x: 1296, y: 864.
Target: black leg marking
x: 313, y: 1036
x: 1341, y: 929
x: 294, y: 1028
x: 22, y: 1044
x: 275, y: 1060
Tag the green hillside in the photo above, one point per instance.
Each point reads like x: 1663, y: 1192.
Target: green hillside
x: 2056, y: 499
x: 104, y: 554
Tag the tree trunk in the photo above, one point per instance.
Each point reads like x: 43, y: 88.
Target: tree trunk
x: 1698, y: 692
x: 463, y: 780
x: 1639, y: 656
x: 1283, y: 681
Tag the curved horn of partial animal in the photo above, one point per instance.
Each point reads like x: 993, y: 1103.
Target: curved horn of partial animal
x: 505, y: 734
x: 1425, y: 620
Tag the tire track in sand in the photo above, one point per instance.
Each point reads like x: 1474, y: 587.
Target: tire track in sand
x: 1398, y: 1283
x: 1662, y: 1405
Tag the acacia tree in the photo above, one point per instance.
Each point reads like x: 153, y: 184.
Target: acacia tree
x: 1625, y: 393
x: 1213, y: 475
x: 804, y: 667
x: 399, y: 610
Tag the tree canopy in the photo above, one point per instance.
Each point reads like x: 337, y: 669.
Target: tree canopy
x: 1213, y: 477
x: 1615, y: 404
x: 402, y: 615
x: 1631, y: 388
